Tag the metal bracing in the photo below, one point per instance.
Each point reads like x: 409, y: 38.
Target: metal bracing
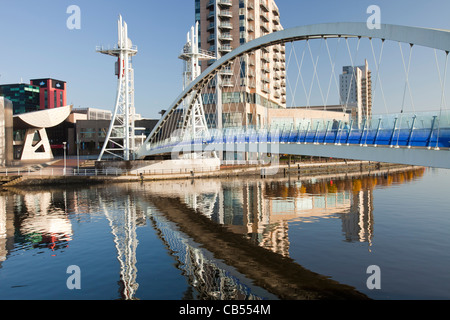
x: 120, y: 139
x: 194, y: 122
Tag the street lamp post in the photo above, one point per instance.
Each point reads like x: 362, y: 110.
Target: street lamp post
x: 78, y: 154
x: 64, y: 172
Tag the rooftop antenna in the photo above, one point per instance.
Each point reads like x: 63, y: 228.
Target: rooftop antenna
x: 120, y: 138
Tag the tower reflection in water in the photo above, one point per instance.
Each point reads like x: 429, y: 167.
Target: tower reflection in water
x: 259, y: 209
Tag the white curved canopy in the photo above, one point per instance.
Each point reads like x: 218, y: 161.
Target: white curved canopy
x: 42, y: 119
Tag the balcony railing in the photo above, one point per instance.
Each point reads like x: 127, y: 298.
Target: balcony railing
x: 227, y: 3
x: 263, y: 5
x: 226, y: 36
x: 226, y: 25
x: 226, y: 13
x: 226, y: 48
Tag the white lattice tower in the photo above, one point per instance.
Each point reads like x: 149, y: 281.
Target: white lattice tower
x: 194, y: 121
x: 120, y: 138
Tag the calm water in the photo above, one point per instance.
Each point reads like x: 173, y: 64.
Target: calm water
x: 276, y: 238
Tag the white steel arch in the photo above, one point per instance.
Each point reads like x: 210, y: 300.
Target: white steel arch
x: 426, y: 37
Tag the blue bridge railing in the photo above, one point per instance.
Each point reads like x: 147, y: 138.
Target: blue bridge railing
x: 427, y: 130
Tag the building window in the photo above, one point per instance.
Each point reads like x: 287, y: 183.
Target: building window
x: 60, y: 98
x: 55, y: 95
x: 46, y: 99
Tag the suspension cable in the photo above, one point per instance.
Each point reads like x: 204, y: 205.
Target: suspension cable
x: 442, y: 100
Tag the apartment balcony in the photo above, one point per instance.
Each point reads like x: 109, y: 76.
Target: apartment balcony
x: 275, y: 12
x: 265, y: 79
x: 263, y: 5
x: 226, y: 25
x: 225, y: 14
x: 251, y: 62
x: 265, y: 69
x: 277, y: 95
x: 276, y: 76
x: 250, y: 5
x: 252, y: 84
x: 250, y: 28
x: 264, y: 28
x: 276, y: 57
x: 210, y: 3
x: 227, y: 72
x: 250, y: 17
x: 227, y: 83
x: 225, y: 3
x: 276, y: 21
x: 211, y: 15
x: 226, y: 37
x: 265, y: 88
x: 264, y: 16
x: 265, y: 57
x: 251, y: 74
x: 277, y: 28
x: 226, y: 48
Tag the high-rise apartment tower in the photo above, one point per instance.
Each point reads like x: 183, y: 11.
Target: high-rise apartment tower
x: 356, y: 90
x: 244, y: 90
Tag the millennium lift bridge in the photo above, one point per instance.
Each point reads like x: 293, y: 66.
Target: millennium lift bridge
x: 192, y: 124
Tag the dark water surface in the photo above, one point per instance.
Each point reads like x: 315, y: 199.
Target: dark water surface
x: 275, y: 238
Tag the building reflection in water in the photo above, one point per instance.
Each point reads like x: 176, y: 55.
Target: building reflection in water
x: 261, y: 209
x: 34, y: 219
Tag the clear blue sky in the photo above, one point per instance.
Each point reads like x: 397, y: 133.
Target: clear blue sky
x: 36, y: 43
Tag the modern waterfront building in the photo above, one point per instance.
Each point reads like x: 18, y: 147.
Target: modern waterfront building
x: 253, y: 83
x: 31, y: 141
x: 92, y: 113
x: 40, y: 94
x: 52, y: 93
x: 91, y: 134
x: 24, y: 97
x: 356, y: 90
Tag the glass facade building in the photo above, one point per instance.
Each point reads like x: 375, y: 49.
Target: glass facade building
x: 25, y: 97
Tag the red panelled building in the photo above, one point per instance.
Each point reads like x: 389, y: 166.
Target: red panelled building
x: 52, y: 93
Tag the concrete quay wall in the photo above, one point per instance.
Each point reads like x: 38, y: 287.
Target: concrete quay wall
x: 344, y: 168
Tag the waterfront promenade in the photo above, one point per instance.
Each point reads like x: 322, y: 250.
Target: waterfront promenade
x: 83, y: 171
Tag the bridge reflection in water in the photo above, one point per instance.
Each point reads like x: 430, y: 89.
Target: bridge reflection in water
x: 229, y: 237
